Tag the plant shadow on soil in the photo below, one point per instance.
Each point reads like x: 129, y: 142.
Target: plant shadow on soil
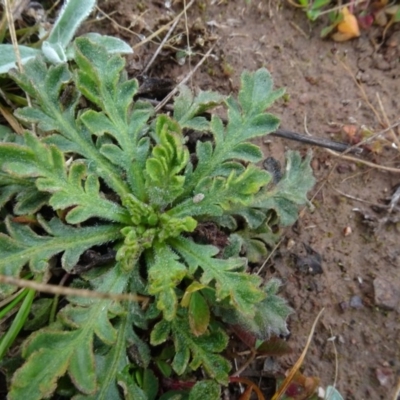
x: 354, y: 250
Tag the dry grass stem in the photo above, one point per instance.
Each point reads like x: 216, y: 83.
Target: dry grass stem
x: 66, y: 291
x: 163, y: 28
x: 359, y: 160
x: 336, y: 357
x: 375, y: 135
x: 296, y: 367
x: 9, y: 299
x: 362, y: 90
x: 189, y: 50
x: 14, y: 41
x: 397, y: 391
x: 251, y: 358
x: 107, y: 16
x: 11, y: 120
x: 191, y: 73
x: 353, y: 197
x: 298, y: 29
x: 270, y: 255
x: 159, y: 48
x: 385, y: 117
x: 13, y: 35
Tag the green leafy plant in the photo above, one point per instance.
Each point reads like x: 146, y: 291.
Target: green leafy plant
x: 105, y: 172
x: 313, y: 8
x: 57, y: 47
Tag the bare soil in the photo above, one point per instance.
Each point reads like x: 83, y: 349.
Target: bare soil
x: 356, y: 237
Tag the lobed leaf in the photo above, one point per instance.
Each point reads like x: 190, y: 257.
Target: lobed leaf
x: 169, y: 157
x: 203, y: 349
x: 246, y: 120
x: 290, y: 191
x: 270, y: 315
x: 241, y: 289
x: 28, y: 200
x: 9, y: 59
x: 188, y: 109
x: 52, y: 352
x: 54, y: 114
x: 256, y: 94
x: 24, y: 246
x: 111, y: 367
x: 255, y: 242
x: 223, y: 194
x: 165, y: 273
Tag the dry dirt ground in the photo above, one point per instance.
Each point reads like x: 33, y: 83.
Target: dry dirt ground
x: 350, y: 228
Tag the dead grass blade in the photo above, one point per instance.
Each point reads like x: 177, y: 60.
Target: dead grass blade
x: 397, y: 393
x: 14, y: 41
x: 296, y: 367
x: 13, y: 35
x: 250, y: 387
x: 368, y: 163
x: 150, y: 63
x: 172, y: 93
x: 66, y: 291
x: 163, y: 28
x: 11, y: 120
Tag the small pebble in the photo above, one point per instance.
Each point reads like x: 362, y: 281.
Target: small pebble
x: 304, y: 98
x: 315, y: 164
x: 344, y: 305
x: 356, y: 302
x: 290, y: 244
x: 347, y: 231
x: 387, y: 294
x: 383, y: 375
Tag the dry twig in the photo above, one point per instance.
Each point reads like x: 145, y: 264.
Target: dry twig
x: 172, y: 93
x: 285, y: 384
x: 67, y: 291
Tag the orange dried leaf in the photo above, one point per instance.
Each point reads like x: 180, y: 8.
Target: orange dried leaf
x: 347, y: 28
x: 350, y: 130
x: 251, y: 387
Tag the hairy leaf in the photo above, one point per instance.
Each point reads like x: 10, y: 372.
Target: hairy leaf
x: 52, y: 352
x: 9, y: 59
x: 199, y: 314
x: 165, y: 273
x: 240, y: 288
x: 202, y: 349
x: 270, y: 316
x: 209, y: 390
x: 69, y: 20
x: 255, y: 242
x: 101, y: 81
x: 290, y: 191
x: 47, y: 165
x: 23, y: 246
x: 223, y: 194
x: 247, y: 120
x: 188, y: 109
x: 169, y: 157
x: 45, y: 85
x: 150, y: 204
